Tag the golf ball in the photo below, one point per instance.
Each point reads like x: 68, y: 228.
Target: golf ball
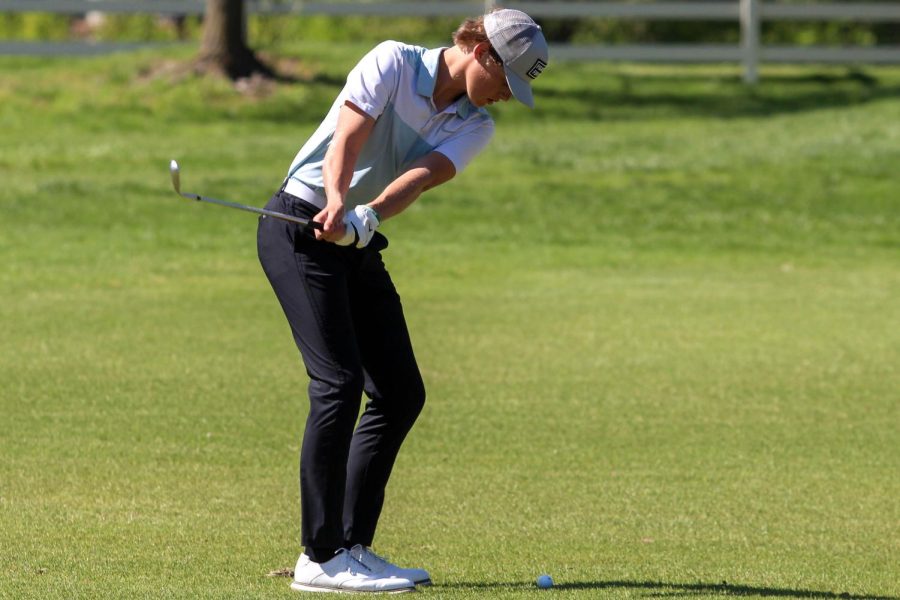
x: 545, y: 582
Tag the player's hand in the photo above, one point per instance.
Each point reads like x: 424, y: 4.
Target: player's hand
x: 332, y: 219
x: 361, y: 224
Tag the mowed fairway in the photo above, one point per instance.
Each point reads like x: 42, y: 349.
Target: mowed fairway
x: 658, y: 320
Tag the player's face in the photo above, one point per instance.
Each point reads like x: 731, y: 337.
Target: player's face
x: 486, y: 81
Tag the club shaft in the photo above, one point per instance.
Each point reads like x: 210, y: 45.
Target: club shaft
x: 253, y: 209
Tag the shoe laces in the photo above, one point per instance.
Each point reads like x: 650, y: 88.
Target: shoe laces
x: 381, y: 561
x: 354, y: 566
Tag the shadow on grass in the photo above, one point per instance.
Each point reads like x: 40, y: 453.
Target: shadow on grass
x: 661, y: 589
x: 633, y: 95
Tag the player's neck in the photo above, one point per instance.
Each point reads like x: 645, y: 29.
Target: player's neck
x: 451, y: 77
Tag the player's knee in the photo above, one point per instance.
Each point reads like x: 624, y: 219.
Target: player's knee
x: 344, y: 387
x: 414, y: 397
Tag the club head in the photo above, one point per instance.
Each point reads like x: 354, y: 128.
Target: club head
x: 176, y: 178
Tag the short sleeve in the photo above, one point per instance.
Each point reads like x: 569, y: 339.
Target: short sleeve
x: 465, y: 146
x: 373, y: 81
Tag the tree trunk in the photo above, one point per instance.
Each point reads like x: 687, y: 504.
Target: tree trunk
x: 224, y: 47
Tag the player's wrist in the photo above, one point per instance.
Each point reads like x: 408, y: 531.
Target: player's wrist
x: 360, y: 223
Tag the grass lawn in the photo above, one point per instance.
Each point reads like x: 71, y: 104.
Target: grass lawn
x: 658, y: 321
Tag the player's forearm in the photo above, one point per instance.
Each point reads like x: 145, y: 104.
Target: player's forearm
x: 337, y: 171
x: 428, y: 172
x: 402, y: 192
x: 351, y: 132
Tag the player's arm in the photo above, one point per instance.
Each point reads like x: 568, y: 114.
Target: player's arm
x: 428, y: 172
x: 353, y: 129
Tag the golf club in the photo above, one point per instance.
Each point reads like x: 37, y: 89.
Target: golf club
x: 176, y: 183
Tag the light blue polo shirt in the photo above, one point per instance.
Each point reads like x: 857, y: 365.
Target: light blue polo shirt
x: 394, y: 84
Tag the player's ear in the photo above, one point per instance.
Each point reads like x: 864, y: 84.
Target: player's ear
x: 481, y: 50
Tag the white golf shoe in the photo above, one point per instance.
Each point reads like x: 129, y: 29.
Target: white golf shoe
x: 343, y: 573
x: 382, y: 567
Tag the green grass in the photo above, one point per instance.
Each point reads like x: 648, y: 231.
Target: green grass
x: 658, y: 323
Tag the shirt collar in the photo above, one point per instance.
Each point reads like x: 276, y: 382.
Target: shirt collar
x: 426, y: 78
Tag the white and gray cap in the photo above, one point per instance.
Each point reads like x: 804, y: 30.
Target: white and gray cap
x: 522, y: 47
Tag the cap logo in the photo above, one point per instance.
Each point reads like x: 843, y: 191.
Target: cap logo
x: 536, y: 69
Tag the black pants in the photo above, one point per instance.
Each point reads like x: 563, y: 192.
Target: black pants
x: 348, y: 323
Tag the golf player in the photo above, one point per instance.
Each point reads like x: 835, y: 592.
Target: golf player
x: 407, y: 120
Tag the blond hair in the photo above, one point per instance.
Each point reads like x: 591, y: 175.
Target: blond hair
x: 470, y: 33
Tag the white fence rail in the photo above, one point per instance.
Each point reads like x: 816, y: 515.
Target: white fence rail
x: 750, y: 14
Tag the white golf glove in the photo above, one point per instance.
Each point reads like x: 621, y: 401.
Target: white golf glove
x: 360, y: 224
